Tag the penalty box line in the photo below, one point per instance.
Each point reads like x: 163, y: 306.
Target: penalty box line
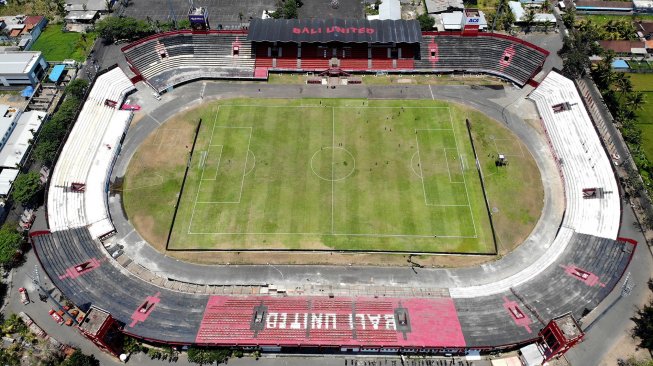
x: 469, y: 202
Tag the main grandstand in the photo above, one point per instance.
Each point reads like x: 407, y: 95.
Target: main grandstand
x: 361, y: 46
x: 566, y: 267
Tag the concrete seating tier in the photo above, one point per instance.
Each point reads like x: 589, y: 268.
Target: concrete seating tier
x: 87, y: 157
x: 503, y: 56
x: 219, y: 52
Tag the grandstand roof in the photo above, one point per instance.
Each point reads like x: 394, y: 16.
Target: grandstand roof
x: 334, y: 30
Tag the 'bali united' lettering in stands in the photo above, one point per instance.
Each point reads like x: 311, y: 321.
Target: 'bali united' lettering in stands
x: 333, y: 29
x: 329, y: 321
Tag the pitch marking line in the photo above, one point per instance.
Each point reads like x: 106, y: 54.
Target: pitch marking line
x: 242, y: 182
x: 469, y: 202
x: 459, y: 164
x: 339, y: 107
x: 217, y: 167
x: 333, y: 152
x: 192, y: 215
x: 421, y: 171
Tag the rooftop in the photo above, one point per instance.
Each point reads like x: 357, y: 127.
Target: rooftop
x: 600, y: 4
x: 81, y: 15
x: 94, y: 320
x: 439, y: 6
x: 390, y: 9
x: 16, y: 147
x: 7, y: 178
x: 8, y: 117
x: 622, y: 46
x: 17, y: 62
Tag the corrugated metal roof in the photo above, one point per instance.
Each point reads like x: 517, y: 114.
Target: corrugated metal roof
x: 334, y: 30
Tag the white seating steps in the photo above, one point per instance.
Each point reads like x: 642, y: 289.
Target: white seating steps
x: 85, y: 158
x: 584, y: 165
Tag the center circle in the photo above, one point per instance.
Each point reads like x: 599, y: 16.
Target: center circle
x: 333, y: 163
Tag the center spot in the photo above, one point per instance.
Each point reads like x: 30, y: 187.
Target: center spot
x: 333, y: 163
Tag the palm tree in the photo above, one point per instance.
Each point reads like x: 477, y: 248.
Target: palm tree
x: 548, y: 24
x: 635, y: 101
x: 529, y: 19
x: 623, y: 84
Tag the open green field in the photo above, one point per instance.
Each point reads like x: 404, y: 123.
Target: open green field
x: 329, y: 175
x: 57, y: 45
x: 644, y: 83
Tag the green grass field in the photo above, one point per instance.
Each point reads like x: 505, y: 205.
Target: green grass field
x: 336, y: 175
x: 58, y: 46
x: 644, y: 83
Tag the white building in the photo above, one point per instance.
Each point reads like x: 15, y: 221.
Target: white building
x: 8, y: 120
x: 14, y: 149
x: 21, y: 68
x: 390, y: 9
x: 519, y: 13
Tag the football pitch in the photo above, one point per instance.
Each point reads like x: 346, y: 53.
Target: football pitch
x: 341, y: 175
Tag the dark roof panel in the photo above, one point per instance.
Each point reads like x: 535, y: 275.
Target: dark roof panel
x: 334, y: 30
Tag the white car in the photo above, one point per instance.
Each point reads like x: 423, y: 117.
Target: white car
x: 24, y: 297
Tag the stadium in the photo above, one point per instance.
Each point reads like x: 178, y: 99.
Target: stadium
x: 569, y: 263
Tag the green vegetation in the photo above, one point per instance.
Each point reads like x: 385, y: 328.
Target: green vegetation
x: 505, y: 20
x: 26, y: 188
x: 575, y: 52
x: 208, y: 356
x: 53, y: 131
x: 112, y: 29
x: 10, y: 242
x: 80, y: 359
x: 350, y: 179
x: 426, y: 22
x: 51, y: 9
x: 286, y: 9
x: 610, y: 29
x: 644, y: 324
x: 58, y: 45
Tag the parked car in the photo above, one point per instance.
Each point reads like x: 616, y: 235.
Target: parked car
x: 24, y: 297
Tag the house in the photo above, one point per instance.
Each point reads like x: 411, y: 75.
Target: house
x: 24, y: 30
x: 15, y: 148
x: 643, y: 6
x: 625, y: 48
x: 441, y: 6
x: 518, y: 11
x: 603, y: 6
x: 390, y: 9
x: 645, y: 28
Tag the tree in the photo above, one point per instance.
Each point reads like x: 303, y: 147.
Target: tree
x: 547, y: 25
x: 10, y: 241
x: 77, y: 88
x: 569, y: 18
x: 529, y: 19
x: 426, y: 22
x: 116, y: 28
x: 507, y: 20
x: 644, y: 326
x: 623, y: 84
x: 290, y: 9
x: 46, y: 151
x: 80, y: 359
x: 208, y: 355
x: 26, y: 188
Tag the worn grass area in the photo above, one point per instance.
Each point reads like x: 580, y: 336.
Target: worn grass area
x: 516, y: 182
x: 271, y: 171
x: 58, y: 45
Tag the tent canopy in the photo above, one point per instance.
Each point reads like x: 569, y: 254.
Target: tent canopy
x: 27, y: 92
x: 56, y: 72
